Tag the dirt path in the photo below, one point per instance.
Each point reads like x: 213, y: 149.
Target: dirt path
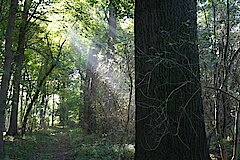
x: 63, y: 150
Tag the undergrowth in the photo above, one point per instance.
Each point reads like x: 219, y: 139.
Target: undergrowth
x: 41, y: 145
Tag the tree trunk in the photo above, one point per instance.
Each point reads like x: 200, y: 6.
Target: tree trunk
x: 109, y: 101
x: 21, y: 102
x: 7, y: 68
x: 169, y: 111
x: 236, y: 134
x: 42, y: 110
x: 112, y: 27
x: 53, y: 109
x: 39, y: 85
x: 35, y: 97
x: 18, y: 59
x: 90, y: 91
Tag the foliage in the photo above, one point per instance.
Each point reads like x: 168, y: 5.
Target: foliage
x: 42, y: 145
x: 38, y: 145
x: 57, y: 71
x: 84, y: 24
x: 218, y: 47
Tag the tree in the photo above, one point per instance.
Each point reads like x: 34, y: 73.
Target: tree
x: 7, y: 67
x: 219, y: 51
x: 41, y: 80
x: 169, y: 111
x: 90, y: 92
x: 18, y: 60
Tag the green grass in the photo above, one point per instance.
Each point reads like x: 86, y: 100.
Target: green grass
x: 36, y: 146
x: 43, y: 145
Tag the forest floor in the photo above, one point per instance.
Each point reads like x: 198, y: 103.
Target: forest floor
x: 63, y: 150
x: 60, y: 143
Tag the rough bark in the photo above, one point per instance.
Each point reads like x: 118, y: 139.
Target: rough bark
x: 169, y: 111
x: 7, y: 67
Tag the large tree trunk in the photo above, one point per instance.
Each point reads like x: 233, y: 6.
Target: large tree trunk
x: 7, y: 67
x: 169, y: 111
x: 18, y: 59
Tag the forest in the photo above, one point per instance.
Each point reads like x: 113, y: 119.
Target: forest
x: 119, y: 79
